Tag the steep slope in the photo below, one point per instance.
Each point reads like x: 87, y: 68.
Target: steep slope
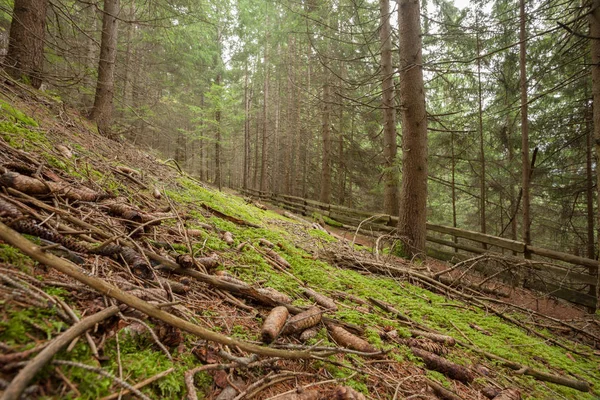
x: 195, y: 272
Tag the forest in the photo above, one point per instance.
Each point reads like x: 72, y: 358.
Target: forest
x: 151, y: 153
x: 305, y: 99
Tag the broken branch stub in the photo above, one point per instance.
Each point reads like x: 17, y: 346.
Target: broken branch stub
x: 304, y: 320
x: 346, y: 339
x: 321, y: 300
x: 277, y: 258
x: 274, y: 324
x: 444, y: 366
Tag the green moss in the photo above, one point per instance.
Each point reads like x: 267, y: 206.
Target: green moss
x: 332, y: 222
x: 20, y: 325
x: 59, y: 292
x: 21, y: 137
x: 13, y: 256
x: 439, y: 378
x: 8, y: 110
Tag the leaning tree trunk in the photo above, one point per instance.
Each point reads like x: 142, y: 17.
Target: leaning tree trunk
x: 413, y: 194
x: 390, y: 195
x: 595, y: 49
x: 25, y: 56
x: 103, y: 102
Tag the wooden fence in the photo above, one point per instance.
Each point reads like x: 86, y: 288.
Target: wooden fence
x: 556, y: 273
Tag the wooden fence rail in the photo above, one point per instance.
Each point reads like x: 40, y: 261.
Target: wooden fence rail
x: 568, y: 279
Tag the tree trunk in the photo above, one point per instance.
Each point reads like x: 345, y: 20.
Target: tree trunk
x: 25, y: 58
x: 595, y: 50
x: 103, y: 102
x: 524, y: 129
x: 390, y: 173
x: 265, y: 153
x: 246, y: 171
x: 455, y: 238
x: 294, y: 132
x: 218, y: 181
x: 413, y: 195
x: 325, y: 196
x: 129, y: 60
x: 591, y: 248
x: 482, y: 193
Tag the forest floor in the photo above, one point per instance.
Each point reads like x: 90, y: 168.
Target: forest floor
x: 195, y: 273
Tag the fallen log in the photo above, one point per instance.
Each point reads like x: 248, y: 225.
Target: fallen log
x: 444, y: 366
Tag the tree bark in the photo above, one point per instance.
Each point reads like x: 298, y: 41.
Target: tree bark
x: 129, y: 59
x: 103, y: 102
x: 413, y: 195
x: 246, y: 171
x: 595, y: 50
x: 390, y: 173
x: 218, y: 180
x: 218, y: 111
x: 265, y: 153
x: 25, y: 57
x: 325, y: 196
x: 524, y: 128
x: 482, y: 193
x: 591, y: 248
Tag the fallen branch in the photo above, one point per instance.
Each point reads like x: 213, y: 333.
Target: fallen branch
x: 20, y: 382
x: 230, y: 218
x: 582, y: 386
x: 141, y: 384
x: 444, y: 366
x: 14, y: 239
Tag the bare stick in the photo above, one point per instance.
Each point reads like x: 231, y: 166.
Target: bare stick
x: 20, y: 382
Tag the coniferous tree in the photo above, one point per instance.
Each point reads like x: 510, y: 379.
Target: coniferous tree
x: 25, y: 57
x: 413, y: 193
x: 103, y: 102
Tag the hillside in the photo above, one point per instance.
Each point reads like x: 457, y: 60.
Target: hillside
x: 194, y: 273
